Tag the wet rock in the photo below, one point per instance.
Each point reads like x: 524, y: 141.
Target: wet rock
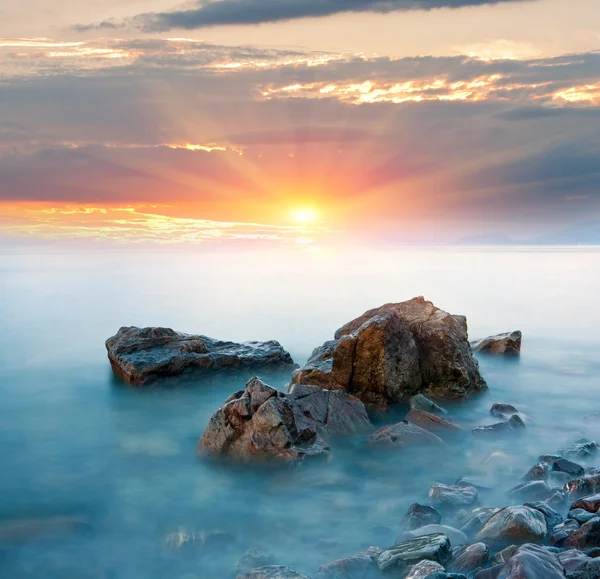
x: 591, y: 504
x: 515, y: 525
x: 504, y: 411
x: 477, y: 518
x: 569, y: 467
x: 140, y: 355
x: 23, y: 531
x: 532, y: 562
x: 589, y: 570
x: 536, y: 490
x: 260, y: 425
x: 452, y: 496
x: 586, y: 537
x: 469, y: 558
x: 430, y: 422
x: 456, y: 537
x: 480, y: 482
x: 562, y: 532
x: 424, y: 569
x: 581, y: 449
x: 271, y: 572
x: 403, y: 434
x: 508, y: 344
x: 540, y: 471
x: 333, y: 412
x: 580, y: 487
x: 573, y: 559
x: 420, y: 402
x: 505, y: 554
x: 401, y: 557
x: 252, y: 559
x: 552, y: 517
x: 489, y: 573
x: 356, y: 567
x: 394, y: 352
x: 421, y: 515
x: 513, y: 425
x: 580, y: 515
x: 556, y: 500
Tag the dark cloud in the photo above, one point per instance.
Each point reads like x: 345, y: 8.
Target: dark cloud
x: 244, y: 12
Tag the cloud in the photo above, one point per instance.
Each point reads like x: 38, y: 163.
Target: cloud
x: 245, y: 12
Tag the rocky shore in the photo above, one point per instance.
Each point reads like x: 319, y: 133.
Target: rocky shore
x: 415, y: 356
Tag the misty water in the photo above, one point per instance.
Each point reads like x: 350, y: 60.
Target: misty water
x: 77, y: 444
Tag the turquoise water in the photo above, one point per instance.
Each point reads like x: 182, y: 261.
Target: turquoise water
x: 77, y: 444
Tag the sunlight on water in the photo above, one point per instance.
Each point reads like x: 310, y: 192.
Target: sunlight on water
x: 112, y: 471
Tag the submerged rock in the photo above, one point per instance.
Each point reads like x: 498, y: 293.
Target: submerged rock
x: 420, y: 402
x: 540, y: 471
x: 403, y: 434
x: 581, y: 449
x: 394, y: 352
x: 508, y: 344
x: 420, y: 515
x: 452, y: 495
x: 504, y: 411
x: 271, y: 572
x: 402, y: 556
x: 532, y: 562
x: 536, y: 490
x: 430, y: 422
x: 356, y: 567
x: 512, y: 525
x: 252, y: 559
x: 567, y: 466
x: 514, y: 424
x: 139, y: 355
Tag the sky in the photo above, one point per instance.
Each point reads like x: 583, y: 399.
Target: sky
x: 299, y: 122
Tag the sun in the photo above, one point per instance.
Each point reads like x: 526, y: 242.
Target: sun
x: 304, y: 215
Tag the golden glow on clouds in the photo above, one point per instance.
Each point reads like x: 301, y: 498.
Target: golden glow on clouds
x: 139, y: 224
x: 499, y: 50
x: 586, y: 94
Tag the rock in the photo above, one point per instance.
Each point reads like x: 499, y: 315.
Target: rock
x: 400, y: 558
x: 429, y: 421
x: 489, y: 573
x: 469, y: 558
x: 424, y: 569
x: 536, y: 490
x: 567, y: 466
x: 452, y: 495
x: 540, y: 471
x: 260, y: 424
x: 580, y: 515
x: 403, y: 435
x: 252, y: 559
x: 456, y: 537
x: 504, y: 411
x: 580, y: 487
x: 515, y: 525
x: 508, y: 344
x: 477, y: 519
x: 271, y: 572
x: 582, y: 449
x: 532, y: 562
x: 140, y: 355
x: 23, y: 531
x: 420, y: 402
x: 506, y: 553
x: 356, y: 567
x: 421, y: 515
x: 562, y: 532
x: 573, y: 559
x: 514, y: 424
x: 591, y: 504
x: 589, y: 570
x: 332, y: 412
x: 394, y: 352
x: 552, y: 517
x: 586, y: 537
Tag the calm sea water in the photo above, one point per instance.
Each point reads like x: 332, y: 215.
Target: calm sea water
x: 77, y: 444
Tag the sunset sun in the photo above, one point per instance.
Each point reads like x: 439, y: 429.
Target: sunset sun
x: 304, y: 215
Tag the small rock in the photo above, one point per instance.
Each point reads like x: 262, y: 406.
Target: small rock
x: 538, y: 472
x: 469, y: 558
x: 569, y: 467
x: 401, y: 557
x: 271, y: 572
x: 424, y: 569
x: 516, y: 524
x: 506, y: 553
x: 552, y: 517
x: 456, y: 537
x: 477, y: 519
x: 508, y: 344
x: 562, y: 532
x: 580, y: 515
x: 420, y: 402
x: 536, y: 490
x: 514, y: 424
x: 449, y: 496
x: 504, y: 411
x: 421, y: 515
x: 429, y: 421
x: 589, y: 570
x: 573, y: 559
x: 492, y: 572
x: 591, y: 504
x: 580, y: 487
x: 532, y: 562
x: 356, y: 567
x: 252, y: 559
x: 582, y: 449
x: 586, y: 537
x: 403, y: 435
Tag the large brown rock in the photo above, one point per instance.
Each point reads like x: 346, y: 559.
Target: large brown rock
x: 514, y: 525
x: 140, y: 355
x: 532, y: 562
x: 396, y: 351
x: 263, y: 423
